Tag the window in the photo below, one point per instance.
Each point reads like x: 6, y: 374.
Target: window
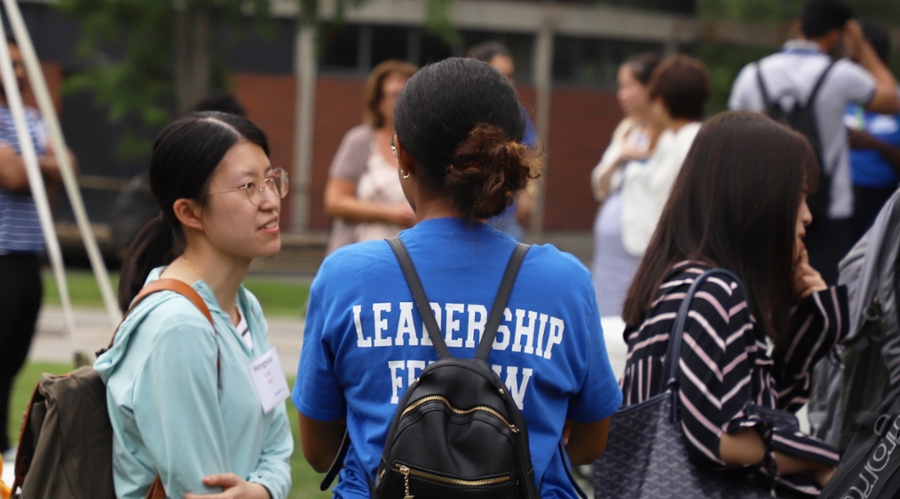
x: 591, y: 61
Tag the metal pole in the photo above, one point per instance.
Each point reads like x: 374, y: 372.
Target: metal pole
x: 48, y: 113
x: 543, y: 73
x: 35, y: 180
x: 304, y: 117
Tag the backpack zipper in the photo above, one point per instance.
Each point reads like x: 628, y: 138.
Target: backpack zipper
x: 483, y: 408
x: 407, y: 471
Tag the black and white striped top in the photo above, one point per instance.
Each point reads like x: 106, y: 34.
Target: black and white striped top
x: 726, y: 363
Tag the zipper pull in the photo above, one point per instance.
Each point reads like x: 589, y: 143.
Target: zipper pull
x: 405, y: 472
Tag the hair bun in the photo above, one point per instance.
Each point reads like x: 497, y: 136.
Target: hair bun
x: 487, y: 171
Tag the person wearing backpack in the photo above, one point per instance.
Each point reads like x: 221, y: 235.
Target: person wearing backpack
x: 747, y: 351
x: 200, y: 405
x: 458, y: 138
x: 782, y: 84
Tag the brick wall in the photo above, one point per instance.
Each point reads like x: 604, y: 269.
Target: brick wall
x: 581, y: 124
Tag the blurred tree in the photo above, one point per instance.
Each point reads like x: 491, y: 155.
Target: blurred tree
x: 148, y: 58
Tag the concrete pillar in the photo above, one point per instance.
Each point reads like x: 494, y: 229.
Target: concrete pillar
x: 304, y: 119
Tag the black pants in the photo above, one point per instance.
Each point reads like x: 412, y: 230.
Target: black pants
x: 828, y: 241
x: 20, y: 301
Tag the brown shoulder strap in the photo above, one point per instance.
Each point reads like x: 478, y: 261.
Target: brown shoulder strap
x: 180, y: 287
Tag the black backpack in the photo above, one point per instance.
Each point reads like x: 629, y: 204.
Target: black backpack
x: 802, y: 118
x: 457, y: 432
x: 870, y: 468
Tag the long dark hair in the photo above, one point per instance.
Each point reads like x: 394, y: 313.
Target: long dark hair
x: 734, y: 205
x: 461, y: 122
x: 184, y: 157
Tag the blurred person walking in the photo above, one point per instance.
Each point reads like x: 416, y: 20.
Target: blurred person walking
x: 632, y: 142
x: 363, y: 193
x: 745, y: 362
x: 21, y: 242
x: 364, y: 343
x: 516, y: 218
x: 789, y: 78
x: 874, y: 147
x: 197, y: 404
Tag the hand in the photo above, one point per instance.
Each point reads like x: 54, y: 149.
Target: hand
x: 853, y: 39
x: 807, y: 280
x: 401, y: 214
x: 859, y: 139
x: 233, y: 487
x: 632, y: 152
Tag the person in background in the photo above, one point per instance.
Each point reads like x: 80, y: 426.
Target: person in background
x: 632, y: 142
x: 376, y: 202
x: 739, y: 204
x: 874, y: 147
x: 21, y: 242
x: 354, y: 369
x: 515, y: 219
x: 182, y: 396
x: 789, y: 76
x: 679, y: 89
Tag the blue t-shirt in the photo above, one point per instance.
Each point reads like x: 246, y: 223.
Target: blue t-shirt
x: 868, y: 167
x: 364, y: 341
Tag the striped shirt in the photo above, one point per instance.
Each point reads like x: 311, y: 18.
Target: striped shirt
x: 726, y: 363
x: 20, y: 227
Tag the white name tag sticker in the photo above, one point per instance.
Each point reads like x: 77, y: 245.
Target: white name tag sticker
x: 268, y: 376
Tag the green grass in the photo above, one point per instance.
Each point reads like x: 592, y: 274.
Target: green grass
x: 278, y: 296
x: 306, y: 480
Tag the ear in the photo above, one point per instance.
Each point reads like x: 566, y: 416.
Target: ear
x: 188, y: 212
x: 405, y: 160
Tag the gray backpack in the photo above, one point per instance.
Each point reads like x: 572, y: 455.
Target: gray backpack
x: 871, y: 357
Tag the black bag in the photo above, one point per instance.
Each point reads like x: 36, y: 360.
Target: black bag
x: 802, y: 118
x: 646, y: 455
x: 870, y: 468
x: 457, y: 431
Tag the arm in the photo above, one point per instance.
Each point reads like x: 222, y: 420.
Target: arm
x: 586, y: 441
x: 341, y: 201
x: 818, y: 322
x: 885, y: 99
x: 12, y: 169
x: 178, y: 378
x: 320, y: 441
x: 746, y: 448
x: 860, y: 139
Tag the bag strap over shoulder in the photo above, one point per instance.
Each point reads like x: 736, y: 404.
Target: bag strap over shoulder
x: 812, y: 95
x: 180, y: 287
x: 673, y: 356
x: 422, y: 303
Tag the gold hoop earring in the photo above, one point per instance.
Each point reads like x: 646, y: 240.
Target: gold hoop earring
x: 404, y: 174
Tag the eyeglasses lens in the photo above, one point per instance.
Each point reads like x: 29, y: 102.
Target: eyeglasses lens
x: 278, y: 183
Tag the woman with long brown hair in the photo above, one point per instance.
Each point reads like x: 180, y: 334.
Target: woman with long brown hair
x: 738, y: 204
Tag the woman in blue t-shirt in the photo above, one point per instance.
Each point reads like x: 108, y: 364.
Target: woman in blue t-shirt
x: 458, y: 138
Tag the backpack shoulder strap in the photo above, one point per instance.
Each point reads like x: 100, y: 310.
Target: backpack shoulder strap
x: 506, y: 285
x: 762, y: 86
x: 180, y: 287
x: 418, y: 292
x: 818, y: 85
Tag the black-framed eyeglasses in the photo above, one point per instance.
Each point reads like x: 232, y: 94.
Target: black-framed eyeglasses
x: 277, y: 182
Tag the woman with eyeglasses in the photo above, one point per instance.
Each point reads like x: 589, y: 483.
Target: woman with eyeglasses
x: 182, y: 399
